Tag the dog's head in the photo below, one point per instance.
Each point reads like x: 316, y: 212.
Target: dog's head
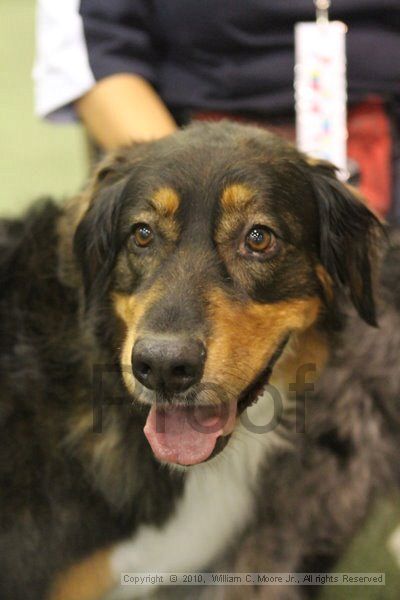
x: 218, y: 247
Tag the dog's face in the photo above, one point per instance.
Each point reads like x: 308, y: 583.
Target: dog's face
x: 216, y: 247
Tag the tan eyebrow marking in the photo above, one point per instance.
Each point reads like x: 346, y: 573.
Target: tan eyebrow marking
x: 236, y: 195
x: 165, y: 201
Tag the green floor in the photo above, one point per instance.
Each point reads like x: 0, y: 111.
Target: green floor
x: 372, y: 552
x: 35, y: 158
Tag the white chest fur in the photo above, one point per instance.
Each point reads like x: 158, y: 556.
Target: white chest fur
x: 216, y: 505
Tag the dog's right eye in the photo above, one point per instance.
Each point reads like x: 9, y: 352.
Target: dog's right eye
x: 142, y: 235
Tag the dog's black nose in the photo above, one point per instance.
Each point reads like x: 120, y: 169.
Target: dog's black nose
x: 170, y: 363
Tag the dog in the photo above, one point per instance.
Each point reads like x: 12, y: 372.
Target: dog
x: 151, y: 329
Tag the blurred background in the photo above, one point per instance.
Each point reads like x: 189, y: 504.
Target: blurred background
x: 35, y: 158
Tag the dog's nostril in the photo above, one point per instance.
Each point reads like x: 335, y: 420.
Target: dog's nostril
x: 181, y: 371
x: 144, y: 369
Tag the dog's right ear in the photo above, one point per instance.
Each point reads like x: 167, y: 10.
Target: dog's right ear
x: 350, y: 238
x: 86, y: 227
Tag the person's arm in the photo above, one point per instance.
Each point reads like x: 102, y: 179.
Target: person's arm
x: 99, y: 60
x: 123, y: 108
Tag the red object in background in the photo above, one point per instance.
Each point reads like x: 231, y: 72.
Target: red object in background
x: 370, y: 145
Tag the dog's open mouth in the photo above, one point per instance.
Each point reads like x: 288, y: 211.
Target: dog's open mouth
x: 188, y: 435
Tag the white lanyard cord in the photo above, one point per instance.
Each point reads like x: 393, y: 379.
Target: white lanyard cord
x: 322, y: 10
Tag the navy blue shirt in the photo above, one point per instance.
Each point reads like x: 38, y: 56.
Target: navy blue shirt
x: 235, y: 55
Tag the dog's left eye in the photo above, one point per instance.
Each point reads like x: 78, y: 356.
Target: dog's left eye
x: 259, y: 240
x: 142, y: 235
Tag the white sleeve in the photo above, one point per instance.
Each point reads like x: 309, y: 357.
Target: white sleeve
x: 61, y: 70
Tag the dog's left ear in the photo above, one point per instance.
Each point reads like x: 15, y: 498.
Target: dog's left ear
x: 96, y: 242
x: 350, y: 236
x: 88, y: 230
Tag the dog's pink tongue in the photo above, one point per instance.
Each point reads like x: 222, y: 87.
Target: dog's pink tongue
x: 187, y: 436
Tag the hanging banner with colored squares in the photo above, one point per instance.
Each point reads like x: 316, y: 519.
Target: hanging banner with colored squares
x: 320, y: 91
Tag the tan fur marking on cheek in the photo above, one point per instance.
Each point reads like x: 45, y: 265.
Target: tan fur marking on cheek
x: 123, y: 306
x: 236, y: 196
x: 131, y: 309
x: 245, y: 336
x: 87, y: 580
x: 166, y: 201
x: 308, y: 348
